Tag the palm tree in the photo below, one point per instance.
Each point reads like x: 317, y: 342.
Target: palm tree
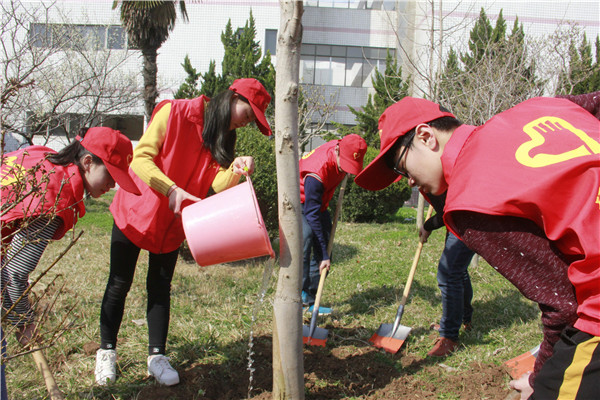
x: 148, y: 24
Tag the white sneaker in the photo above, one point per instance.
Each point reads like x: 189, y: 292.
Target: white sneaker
x: 106, y: 367
x: 161, y: 370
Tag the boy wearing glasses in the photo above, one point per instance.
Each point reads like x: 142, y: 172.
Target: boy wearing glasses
x: 523, y: 191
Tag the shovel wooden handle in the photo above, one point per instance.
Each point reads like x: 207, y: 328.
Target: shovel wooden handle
x: 42, y: 365
x: 338, y: 208
x: 411, y: 276
x: 319, y: 292
x: 413, y: 268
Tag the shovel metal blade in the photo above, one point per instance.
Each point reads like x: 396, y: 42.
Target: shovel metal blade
x: 318, y: 338
x: 522, y: 364
x: 388, y: 340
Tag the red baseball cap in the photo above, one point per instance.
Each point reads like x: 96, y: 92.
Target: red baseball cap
x: 352, y: 153
x: 396, y: 121
x: 115, y: 150
x: 258, y: 97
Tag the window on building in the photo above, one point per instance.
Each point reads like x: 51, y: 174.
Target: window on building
x: 116, y: 37
x: 85, y: 37
x: 67, y: 125
x: 356, y: 4
x: 336, y: 65
x: 271, y: 41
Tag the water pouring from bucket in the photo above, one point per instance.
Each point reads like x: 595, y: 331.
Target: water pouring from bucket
x: 226, y: 227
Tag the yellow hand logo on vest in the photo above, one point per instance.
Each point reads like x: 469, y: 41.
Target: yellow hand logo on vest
x: 308, y: 154
x: 553, y: 125
x: 11, y: 171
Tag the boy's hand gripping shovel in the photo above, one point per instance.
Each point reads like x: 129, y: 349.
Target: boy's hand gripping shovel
x: 314, y: 335
x: 390, y: 337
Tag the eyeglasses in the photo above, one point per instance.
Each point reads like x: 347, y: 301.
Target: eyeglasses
x: 397, y: 169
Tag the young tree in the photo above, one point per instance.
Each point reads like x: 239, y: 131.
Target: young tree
x: 55, y: 76
x: 50, y: 72
x: 288, y: 368
x: 148, y: 24
x: 314, y: 112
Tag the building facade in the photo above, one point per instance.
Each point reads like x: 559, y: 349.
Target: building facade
x: 344, y: 41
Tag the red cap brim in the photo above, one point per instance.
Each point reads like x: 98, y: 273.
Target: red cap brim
x: 377, y: 175
x: 261, y: 120
x: 123, y: 179
x: 351, y: 167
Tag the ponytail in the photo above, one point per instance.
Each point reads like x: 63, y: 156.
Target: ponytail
x: 73, y: 153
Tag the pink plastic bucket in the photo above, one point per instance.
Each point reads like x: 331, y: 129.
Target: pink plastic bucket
x: 226, y: 227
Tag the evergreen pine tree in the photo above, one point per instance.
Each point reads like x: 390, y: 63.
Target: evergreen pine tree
x: 211, y: 83
x: 480, y: 38
x: 242, y: 59
x: 452, y: 81
x: 583, y: 75
x: 526, y: 84
x: 189, y: 88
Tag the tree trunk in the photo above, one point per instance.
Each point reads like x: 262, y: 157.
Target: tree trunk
x: 288, y: 368
x: 149, y: 73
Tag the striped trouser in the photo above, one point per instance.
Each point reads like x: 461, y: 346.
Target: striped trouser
x: 18, y: 261
x: 573, y: 371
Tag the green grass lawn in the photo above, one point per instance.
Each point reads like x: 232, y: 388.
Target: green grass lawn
x: 213, y: 308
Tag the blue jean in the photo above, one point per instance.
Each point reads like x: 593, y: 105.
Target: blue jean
x: 455, y: 284
x: 313, y: 255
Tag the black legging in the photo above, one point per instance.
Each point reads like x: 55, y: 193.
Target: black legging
x: 123, y: 259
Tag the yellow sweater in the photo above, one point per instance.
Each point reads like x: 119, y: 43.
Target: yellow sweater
x: 148, y: 147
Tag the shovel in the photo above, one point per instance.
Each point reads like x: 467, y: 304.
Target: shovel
x: 523, y: 363
x: 390, y: 337
x: 519, y: 366
x: 314, y: 335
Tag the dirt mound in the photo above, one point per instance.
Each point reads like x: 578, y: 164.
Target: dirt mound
x: 339, y: 373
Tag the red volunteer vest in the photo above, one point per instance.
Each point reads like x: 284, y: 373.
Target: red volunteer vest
x: 538, y: 160
x: 59, y: 190
x: 322, y: 162
x: 147, y: 220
